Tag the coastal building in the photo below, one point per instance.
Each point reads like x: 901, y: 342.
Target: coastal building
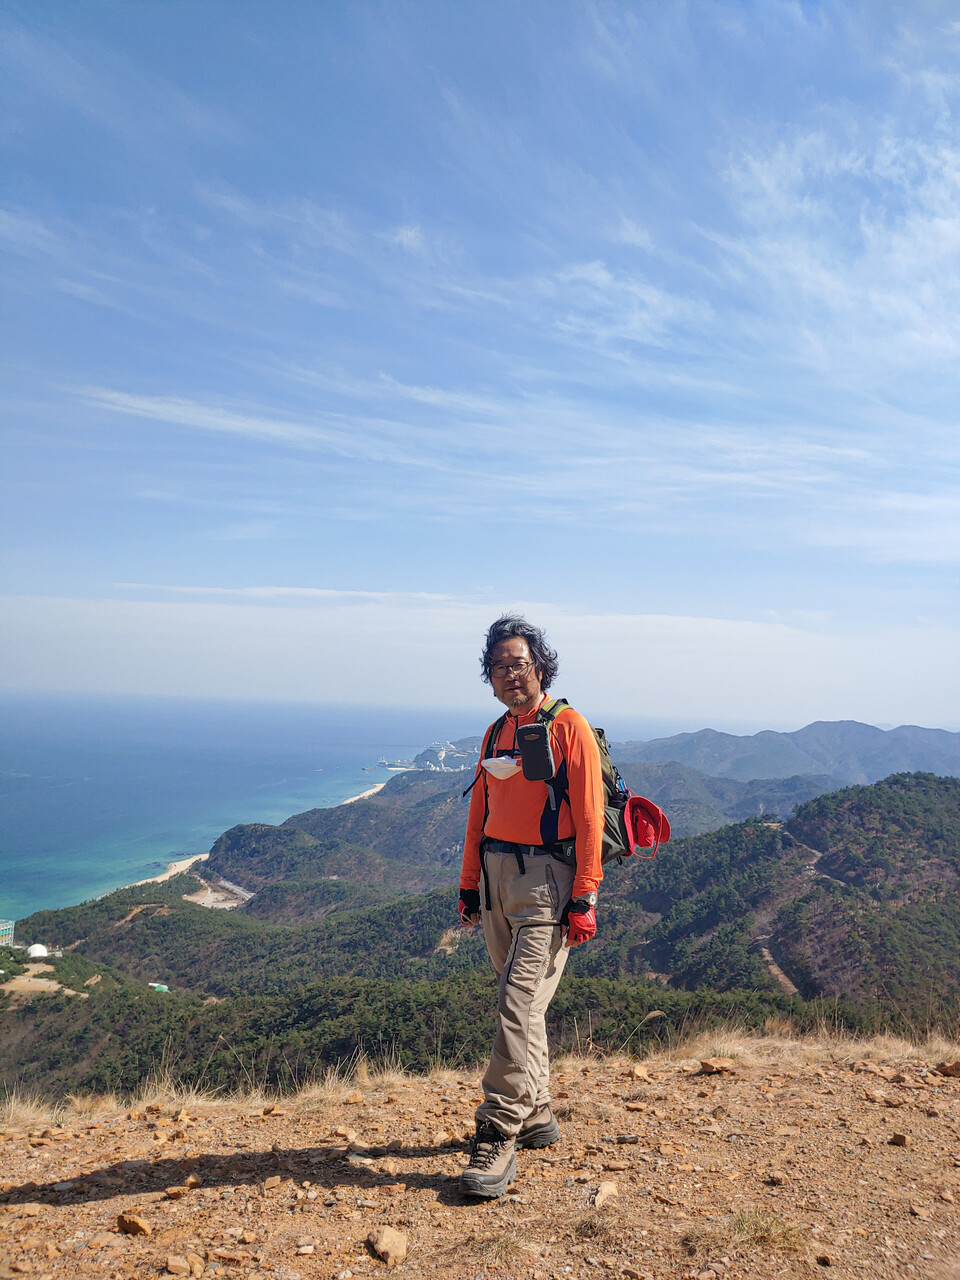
x: 6, y: 932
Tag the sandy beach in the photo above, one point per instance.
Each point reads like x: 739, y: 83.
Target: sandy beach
x: 364, y: 794
x: 173, y: 869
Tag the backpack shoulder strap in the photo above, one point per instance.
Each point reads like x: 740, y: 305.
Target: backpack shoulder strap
x: 551, y: 709
x: 493, y: 735
x: 491, y: 738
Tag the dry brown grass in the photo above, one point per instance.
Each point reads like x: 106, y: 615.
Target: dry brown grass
x: 94, y: 1106
x: 497, y: 1248
x: 780, y: 1047
x: 747, y: 1228
x: 601, y: 1227
x: 23, y: 1109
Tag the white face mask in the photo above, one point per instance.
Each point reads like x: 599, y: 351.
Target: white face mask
x: 502, y: 766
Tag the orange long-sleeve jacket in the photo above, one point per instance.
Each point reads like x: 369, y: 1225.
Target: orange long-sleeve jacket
x: 521, y: 811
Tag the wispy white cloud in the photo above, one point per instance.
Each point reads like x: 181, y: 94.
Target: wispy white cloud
x: 292, y: 593
x: 93, y: 79
x: 26, y: 233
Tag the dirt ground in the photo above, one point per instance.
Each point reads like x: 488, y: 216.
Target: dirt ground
x: 27, y: 986
x: 788, y: 1160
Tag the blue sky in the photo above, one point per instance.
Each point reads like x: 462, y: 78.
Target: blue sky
x: 333, y: 329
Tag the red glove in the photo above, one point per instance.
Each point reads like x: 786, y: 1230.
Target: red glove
x: 581, y: 926
x: 469, y: 907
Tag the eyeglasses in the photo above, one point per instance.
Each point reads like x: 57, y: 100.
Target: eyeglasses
x: 518, y: 668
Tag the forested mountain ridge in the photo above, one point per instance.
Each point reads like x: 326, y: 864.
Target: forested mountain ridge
x: 845, y: 749
x: 715, y: 909
x: 409, y: 836
x: 855, y: 897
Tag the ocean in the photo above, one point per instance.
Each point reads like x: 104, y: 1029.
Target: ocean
x: 96, y: 793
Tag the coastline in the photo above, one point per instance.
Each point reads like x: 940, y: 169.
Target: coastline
x: 371, y: 791
x: 173, y: 869
x: 184, y: 864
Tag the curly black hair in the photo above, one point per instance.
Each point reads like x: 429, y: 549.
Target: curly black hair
x: 507, y: 627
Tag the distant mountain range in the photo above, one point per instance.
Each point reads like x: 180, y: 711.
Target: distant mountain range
x: 844, y: 749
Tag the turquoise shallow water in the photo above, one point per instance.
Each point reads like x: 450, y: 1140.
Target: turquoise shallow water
x: 97, y: 793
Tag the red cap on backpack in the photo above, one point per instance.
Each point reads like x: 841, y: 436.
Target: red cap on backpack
x: 646, y: 825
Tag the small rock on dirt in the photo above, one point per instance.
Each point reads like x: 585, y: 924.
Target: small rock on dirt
x: 898, y: 1140
x: 388, y: 1244
x: 606, y: 1191
x: 177, y: 1265
x: 717, y: 1066
x: 949, y: 1069
x: 131, y: 1224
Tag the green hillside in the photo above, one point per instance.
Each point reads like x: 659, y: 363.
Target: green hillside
x: 855, y: 898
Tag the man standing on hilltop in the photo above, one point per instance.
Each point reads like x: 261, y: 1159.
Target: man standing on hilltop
x: 531, y: 869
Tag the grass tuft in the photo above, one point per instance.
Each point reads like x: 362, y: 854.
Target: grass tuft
x: 22, y: 1108
x: 94, y: 1106
x: 752, y: 1228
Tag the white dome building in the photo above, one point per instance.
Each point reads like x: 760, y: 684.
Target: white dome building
x: 37, y: 951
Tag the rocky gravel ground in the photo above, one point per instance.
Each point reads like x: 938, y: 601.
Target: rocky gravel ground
x: 733, y: 1168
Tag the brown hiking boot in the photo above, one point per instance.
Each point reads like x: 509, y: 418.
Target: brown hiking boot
x: 539, y: 1130
x: 493, y: 1164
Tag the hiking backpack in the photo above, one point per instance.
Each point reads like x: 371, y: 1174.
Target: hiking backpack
x: 631, y: 822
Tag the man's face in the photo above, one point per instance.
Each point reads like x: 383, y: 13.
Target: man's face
x: 519, y: 689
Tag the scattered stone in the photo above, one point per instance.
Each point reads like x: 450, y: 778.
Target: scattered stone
x: 949, y: 1069
x: 776, y: 1178
x: 306, y: 1249
x: 948, y: 1197
x: 131, y: 1224
x: 637, y: 1106
x: 717, y: 1066
x: 637, y: 1072
x: 898, y: 1140
x: 273, y: 1181
x: 343, y: 1131
x: 606, y: 1191
x: 388, y: 1244
x: 442, y: 1138
x: 197, y: 1264
x: 354, y: 1098
x: 103, y: 1240
x: 825, y: 1260
x: 232, y: 1256
x: 616, y: 1166
x: 177, y: 1265
x: 192, y: 1180
x: 918, y: 1211
x: 176, y: 1193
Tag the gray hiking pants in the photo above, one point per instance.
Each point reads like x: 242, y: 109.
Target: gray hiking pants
x: 525, y: 943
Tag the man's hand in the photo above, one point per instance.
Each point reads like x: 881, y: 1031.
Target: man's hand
x: 469, y: 907
x: 581, y: 922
